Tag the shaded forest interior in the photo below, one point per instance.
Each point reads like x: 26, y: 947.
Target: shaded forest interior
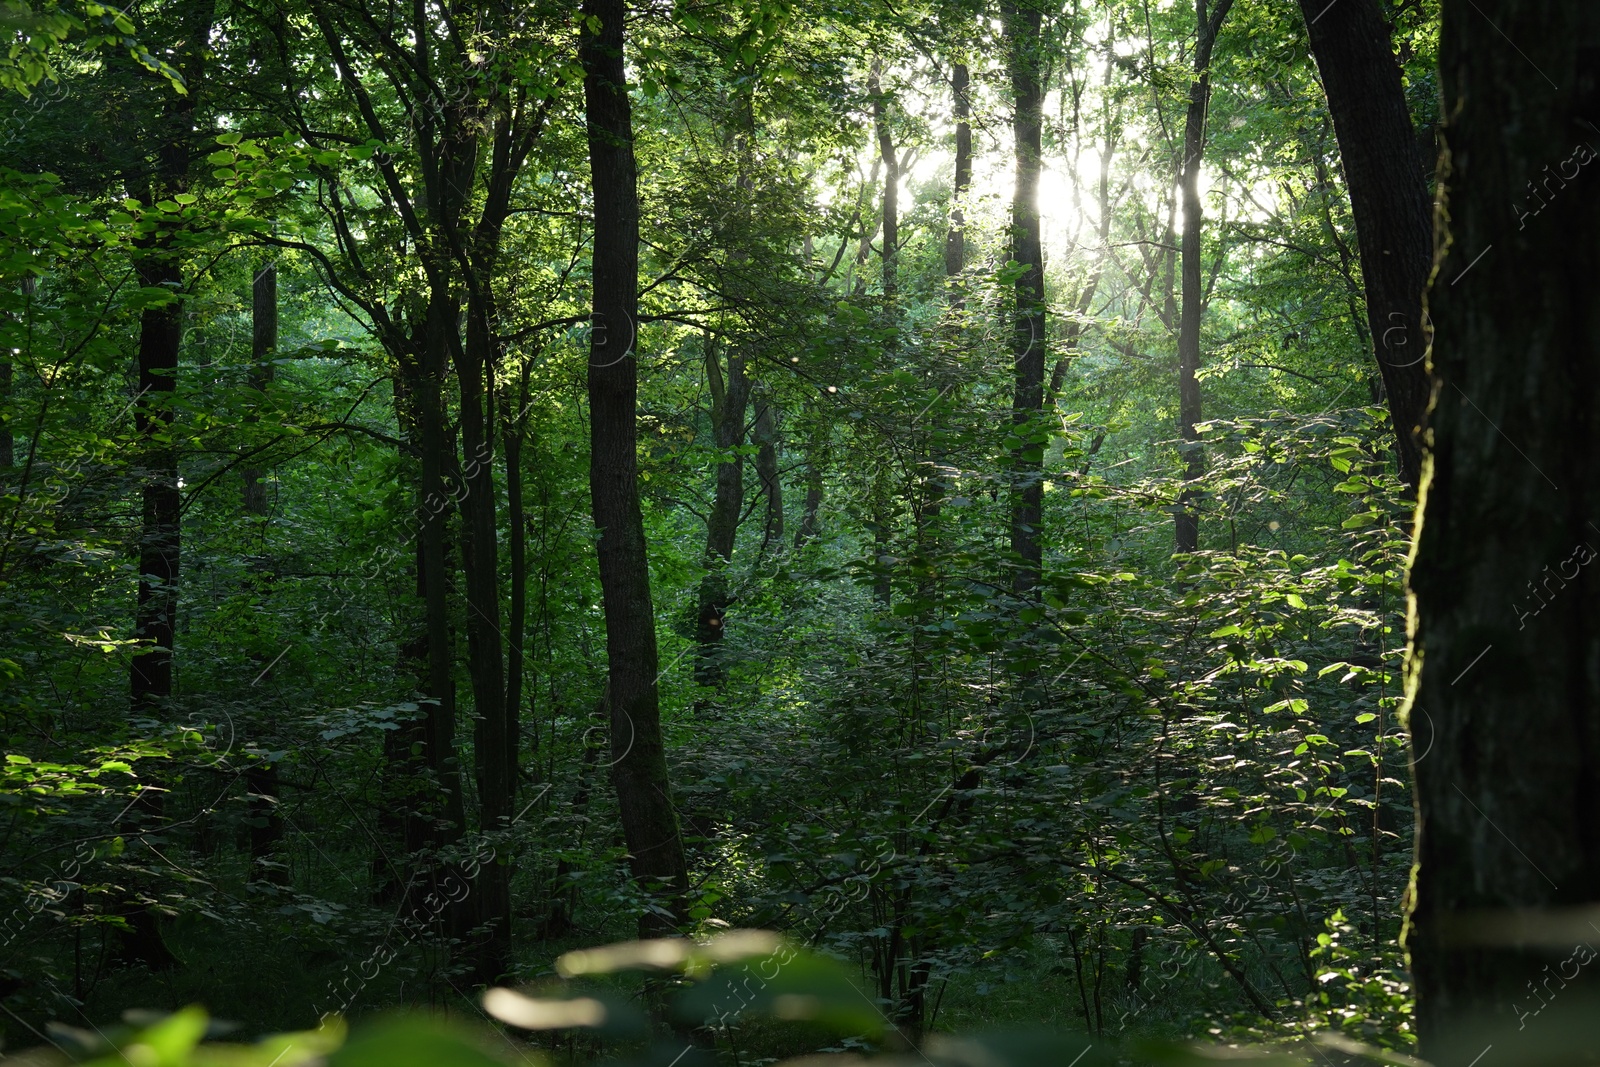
x: 920, y: 496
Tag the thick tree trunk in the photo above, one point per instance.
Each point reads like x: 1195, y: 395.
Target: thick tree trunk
x: 639, y: 769
x: 1389, y: 199
x: 1503, y: 688
x: 1187, y: 535
x: 438, y: 502
x: 730, y: 396
x: 1025, y: 58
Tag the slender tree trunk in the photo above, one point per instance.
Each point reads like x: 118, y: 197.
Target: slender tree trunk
x: 263, y: 346
x: 639, y: 769
x: 437, y: 504
x: 765, y: 432
x: 955, y: 238
x: 160, y: 335
x: 881, y: 521
x: 1503, y: 691
x: 160, y: 343
x: 496, y: 699
x: 261, y: 781
x: 1194, y: 137
x: 402, y: 813
x: 729, y: 399
x: 1025, y: 58
x: 8, y: 448
x: 864, y: 244
x: 494, y: 761
x: 1389, y: 200
x: 931, y: 504
x: 891, y: 184
x: 813, y: 503
x: 515, y: 435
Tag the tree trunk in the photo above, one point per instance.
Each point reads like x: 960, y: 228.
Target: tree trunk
x: 160, y: 342
x: 445, y: 816
x: 263, y: 346
x: 1389, y: 200
x: 1187, y: 537
x: 1503, y: 692
x: 261, y: 780
x: 813, y: 504
x: 639, y: 769
x: 955, y: 238
x: 160, y: 335
x: 1025, y: 58
x: 515, y: 434
x: 891, y: 184
x: 765, y: 433
x: 729, y: 399
x: 494, y: 761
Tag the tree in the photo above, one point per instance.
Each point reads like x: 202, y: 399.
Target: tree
x: 1388, y: 196
x: 639, y: 765
x: 730, y: 395
x: 263, y: 782
x: 1025, y: 61
x: 1187, y: 532
x: 1504, y: 703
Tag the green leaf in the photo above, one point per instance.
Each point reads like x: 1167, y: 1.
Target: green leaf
x: 416, y: 1042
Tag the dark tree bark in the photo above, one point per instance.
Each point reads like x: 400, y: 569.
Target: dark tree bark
x: 1503, y: 687
x: 1389, y: 200
x: 955, y: 238
x: 766, y: 435
x: 929, y: 507
x: 1187, y: 536
x: 436, y: 446
x: 1025, y: 60
x: 263, y: 346
x: 261, y: 781
x: 730, y: 395
x: 807, y: 529
x: 160, y: 336
x: 8, y: 451
x: 496, y: 725
x: 891, y: 184
x: 639, y: 770
x: 160, y: 342
x: 514, y: 436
